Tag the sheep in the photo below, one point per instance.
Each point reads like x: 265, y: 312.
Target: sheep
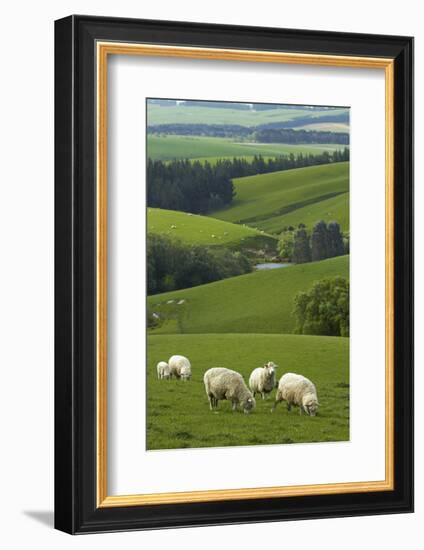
x: 297, y: 390
x: 262, y: 380
x: 180, y: 367
x: 163, y: 370
x: 221, y: 383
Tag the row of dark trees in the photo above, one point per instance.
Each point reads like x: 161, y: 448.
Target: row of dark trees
x: 288, y: 135
x: 342, y: 117
x: 266, y: 133
x: 201, y: 187
x: 188, y: 186
x: 172, y: 265
x: 325, y: 241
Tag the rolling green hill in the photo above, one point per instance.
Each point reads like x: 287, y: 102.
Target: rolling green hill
x: 191, y: 147
x: 208, y: 115
x: 335, y: 208
x: 259, y: 302
x: 193, y: 229
x: 178, y: 414
x: 260, y: 199
x: 326, y: 127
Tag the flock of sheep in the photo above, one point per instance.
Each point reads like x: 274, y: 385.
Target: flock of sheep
x: 221, y: 383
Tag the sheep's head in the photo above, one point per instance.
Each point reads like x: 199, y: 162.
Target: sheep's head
x: 249, y: 404
x: 270, y: 369
x: 185, y: 373
x: 310, y: 404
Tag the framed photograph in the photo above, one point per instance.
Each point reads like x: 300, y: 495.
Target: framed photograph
x: 234, y: 270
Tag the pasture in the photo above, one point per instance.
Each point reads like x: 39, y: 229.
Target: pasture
x: 192, y: 147
x: 178, y: 414
x: 333, y: 209
x: 259, y: 302
x: 209, y: 115
x: 202, y: 230
x: 263, y: 197
x: 326, y: 127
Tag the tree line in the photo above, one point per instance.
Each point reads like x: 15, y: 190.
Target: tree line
x: 288, y: 135
x: 173, y: 265
x: 264, y: 133
x: 201, y: 187
x: 325, y: 241
x: 301, y: 121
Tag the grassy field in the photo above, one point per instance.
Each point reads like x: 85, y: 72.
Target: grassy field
x: 203, y: 230
x: 326, y: 127
x: 177, y: 147
x: 259, y: 302
x: 209, y: 115
x: 178, y: 412
x: 335, y: 208
x: 265, y: 196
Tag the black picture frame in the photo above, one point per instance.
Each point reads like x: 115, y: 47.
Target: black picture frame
x: 76, y: 510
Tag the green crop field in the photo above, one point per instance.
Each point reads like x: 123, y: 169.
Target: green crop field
x: 259, y: 302
x: 209, y: 115
x: 333, y: 209
x: 177, y: 147
x: 265, y: 196
x: 342, y: 127
x: 178, y: 414
x: 203, y: 230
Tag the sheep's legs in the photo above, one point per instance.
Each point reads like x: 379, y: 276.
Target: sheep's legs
x: 275, y: 405
x: 234, y: 406
x: 289, y: 407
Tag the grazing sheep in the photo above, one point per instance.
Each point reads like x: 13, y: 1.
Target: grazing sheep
x: 262, y: 380
x: 164, y: 372
x: 297, y: 390
x: 221, y: 383
x: 180, y: 367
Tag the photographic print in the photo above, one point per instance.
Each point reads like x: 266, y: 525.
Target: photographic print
x: 247, y: 273
x: 202, y: 272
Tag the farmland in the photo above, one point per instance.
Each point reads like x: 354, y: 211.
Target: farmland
x: 334, y: 208
x: 178, y: 412
x: 222, y: 278
x: 259, y: 199
x: 192, y: 147
x: 326, y: 126
x: 203, y: 230
x: 259, y: 302
x: 206, y: 115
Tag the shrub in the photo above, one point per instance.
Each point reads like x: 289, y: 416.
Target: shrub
x: 324, y: 309
x: 286, y: 245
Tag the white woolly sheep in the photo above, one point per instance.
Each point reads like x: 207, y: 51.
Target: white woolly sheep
x: 163, y: 370
x: 180, y: 367
x: 295, y: 389
x: 221, y: 383
x: 262, y: 379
